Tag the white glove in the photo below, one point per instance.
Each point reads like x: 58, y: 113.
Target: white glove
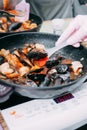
x: 25, y: 8
x: 20, y: 5
x: 76, y: 31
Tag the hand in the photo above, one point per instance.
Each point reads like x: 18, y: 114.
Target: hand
x: 25, y: 8
x: 20, y: 5
x: 76, y: 31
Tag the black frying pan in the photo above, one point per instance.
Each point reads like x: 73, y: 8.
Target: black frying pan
x: 18, y: 40
x: 33, y: 18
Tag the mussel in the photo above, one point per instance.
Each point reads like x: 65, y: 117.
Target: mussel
x: 53, y: 61
x: 37, y: 78
x: 2, y: 60
x: 14, y: 26
x: 36, y: 55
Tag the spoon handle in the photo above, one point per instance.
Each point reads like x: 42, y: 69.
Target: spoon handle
x: 52, y: 50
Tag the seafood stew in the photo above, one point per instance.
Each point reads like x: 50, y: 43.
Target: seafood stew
x: 20, y: 40
x: 30, y: 66
x: 9, y: 25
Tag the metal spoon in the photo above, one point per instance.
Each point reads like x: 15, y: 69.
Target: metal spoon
x: 52, y: 50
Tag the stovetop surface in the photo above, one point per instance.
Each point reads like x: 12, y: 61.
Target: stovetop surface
x: 14, y: 99
x: 74, y: 102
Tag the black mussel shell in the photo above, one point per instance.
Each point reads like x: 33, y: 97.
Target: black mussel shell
x: 36, y: 55
x: 2, y: 60
x: 37, y: 77
x: 14, y: 26
x: 51, y: 63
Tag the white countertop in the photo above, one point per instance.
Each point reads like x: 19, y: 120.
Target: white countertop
x: 47, y: 26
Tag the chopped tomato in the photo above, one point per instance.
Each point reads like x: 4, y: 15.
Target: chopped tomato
x: 41, y: 62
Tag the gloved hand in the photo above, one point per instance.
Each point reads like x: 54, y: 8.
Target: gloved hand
x: 75, y: 32
x: 25, y: 8
x: 20, y: 5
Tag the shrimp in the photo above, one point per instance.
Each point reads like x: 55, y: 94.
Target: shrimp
x: 15, y: 62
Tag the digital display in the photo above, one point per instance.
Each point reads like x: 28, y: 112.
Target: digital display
x: 63, y: 98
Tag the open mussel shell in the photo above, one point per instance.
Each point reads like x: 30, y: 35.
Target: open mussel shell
x: 14, y: 26
x: 36, y: 55
x: 37, y: 77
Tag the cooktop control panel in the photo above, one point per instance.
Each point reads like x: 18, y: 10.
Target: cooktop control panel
x: 35, y: 110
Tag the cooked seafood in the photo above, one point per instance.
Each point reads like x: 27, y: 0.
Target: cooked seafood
x: 76, y: 67
x: 30, y: 66
x: 8, y: 23
x: 14, y: 26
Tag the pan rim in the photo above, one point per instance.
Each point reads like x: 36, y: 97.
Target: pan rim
x: 31, y: 33
x: 3, y: 82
